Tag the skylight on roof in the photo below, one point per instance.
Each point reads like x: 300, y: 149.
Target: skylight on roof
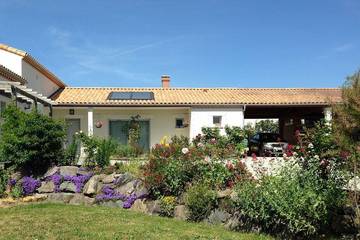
x: 131, y: 96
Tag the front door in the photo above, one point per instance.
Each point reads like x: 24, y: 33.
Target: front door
x: 119, y: 130
x: 73, y: 126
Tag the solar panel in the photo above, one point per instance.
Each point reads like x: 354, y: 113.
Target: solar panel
x: 131, y: 96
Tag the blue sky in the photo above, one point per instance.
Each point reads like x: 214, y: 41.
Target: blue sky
x: 202, y: 43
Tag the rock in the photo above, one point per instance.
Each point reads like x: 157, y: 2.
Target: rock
x: 51, y: 172
x: 181, y: 212
x: 109, y: 179
x: 223, y: 194
x: 16, y: 175
x: 83, y: 171
x: 46, y: 187
x: 60, y: 197
x: 80, y: 199
x: 344, y: 221
x: 233, y: 223
x: 128, y: 188
x: 34, y: 198
x: 146, y: 206
x: 123, y: 179
x: 141, y: 190
x: 93, y: 186
x: 68, y: 170
x: 353, y: 184
x: 114, y: 204
x: 218, y: 217
x: 67, y: 187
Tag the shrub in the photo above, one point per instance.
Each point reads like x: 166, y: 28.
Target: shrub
x: 133, y: 167
x: 30, y: 140
x: 294, y: 203
x: 98, y: 151
x: 167, y: 206
x: 127, y: 151
x: 16, y: 191
x: 70, y: 154
x: 200, y: 200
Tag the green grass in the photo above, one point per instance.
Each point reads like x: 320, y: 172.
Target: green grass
x: 58, y: 221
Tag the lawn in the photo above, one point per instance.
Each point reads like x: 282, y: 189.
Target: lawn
x: 58, y: 221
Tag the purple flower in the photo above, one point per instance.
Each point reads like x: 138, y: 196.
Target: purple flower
x: 12, y: 182
x: 57, y: 180
x: 79, y: 181
x: 30, y: 185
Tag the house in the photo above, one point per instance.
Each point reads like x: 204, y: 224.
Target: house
x: 164, y: 111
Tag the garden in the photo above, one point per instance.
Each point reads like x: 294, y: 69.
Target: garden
x: 312, y: 194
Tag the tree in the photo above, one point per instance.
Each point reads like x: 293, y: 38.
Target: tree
x: 347, y: 125
x: 30, y: 141
x: 267, y: 125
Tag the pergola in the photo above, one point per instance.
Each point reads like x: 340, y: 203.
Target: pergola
x: 20, y: 93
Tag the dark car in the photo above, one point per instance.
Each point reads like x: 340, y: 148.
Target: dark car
x: 267, y: 145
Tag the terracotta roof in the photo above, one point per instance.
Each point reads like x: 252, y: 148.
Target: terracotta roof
x: 33, y: 62
x: 201, y: 96
x: 10, y: 75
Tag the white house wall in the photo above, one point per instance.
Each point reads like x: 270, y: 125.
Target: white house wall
x: 203, y: 117
x: 37, y: 81
x: 162, y: 121
x: 11, y: 61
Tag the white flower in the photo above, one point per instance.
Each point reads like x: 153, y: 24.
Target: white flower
x: 207, y: 159
x: 317, y: 157
x: 200, y: 144
x: 311, y: 145
x: 295, y: 154
x: 76, y: 133
x: 284, y: 155
x: 80, y: 131
x: 185, y: 150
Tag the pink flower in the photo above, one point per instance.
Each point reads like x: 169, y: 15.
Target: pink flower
x: 207, y: 159
x: 229, y: 165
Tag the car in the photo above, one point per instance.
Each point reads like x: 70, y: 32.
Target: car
x: 267, y: 145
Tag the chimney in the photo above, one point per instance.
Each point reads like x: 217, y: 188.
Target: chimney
x: 165, y: 81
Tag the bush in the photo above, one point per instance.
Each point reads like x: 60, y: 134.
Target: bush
x: 98, y: 151
x: 200, y: 200
x: 127, y: 151
x: 167, y: 206
x: 294, y: 203
x: 70, y: 154
x: 30, y: 140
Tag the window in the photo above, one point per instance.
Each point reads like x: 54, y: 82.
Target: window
x: 179, y: 123
x: 131, y: 96
x: 217, y: 121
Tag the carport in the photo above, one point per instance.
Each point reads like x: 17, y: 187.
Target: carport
x: 291, y: 117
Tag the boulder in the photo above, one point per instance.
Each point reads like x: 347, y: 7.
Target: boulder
x: 68, y: 187
x: 80, y: 199
x: 113, y: 204
x: 146, y: 206
x: 233, y: 223
x: 46, y: 187
x: 109, y: 179
x: 68, y: 170
x: 34, y: 198
x: 16, y: 175
x: 218, y: 217
x: 93, y: 186
x: 343, y: 222
x: 181, y: 212
x: 128, y: 188
x: 83, y: 171
x: 60, y: 197
x: 123, y: 179
x: 51, y: 172
x: 141, y: 190
x: 225, y: 193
